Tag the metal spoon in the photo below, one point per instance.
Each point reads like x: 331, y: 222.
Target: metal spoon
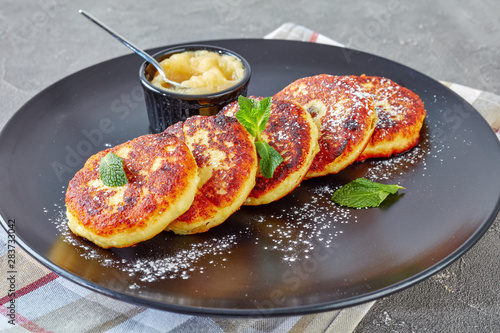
x: 134, y: 48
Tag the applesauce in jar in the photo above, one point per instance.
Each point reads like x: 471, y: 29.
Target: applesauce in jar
x: 200, y: 72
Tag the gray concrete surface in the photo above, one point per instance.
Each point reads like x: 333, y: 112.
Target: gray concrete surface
x: 42, y: 41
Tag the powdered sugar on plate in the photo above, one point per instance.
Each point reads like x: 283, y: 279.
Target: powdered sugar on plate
x: 307, y: 222
x: 181, y: 263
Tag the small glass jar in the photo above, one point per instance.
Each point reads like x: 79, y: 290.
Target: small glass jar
x: 166, y: 107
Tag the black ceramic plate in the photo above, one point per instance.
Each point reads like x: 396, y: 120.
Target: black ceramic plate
x: 299, y: 255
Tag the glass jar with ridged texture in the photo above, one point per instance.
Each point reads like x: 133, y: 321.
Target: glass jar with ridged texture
x: 166, y: 107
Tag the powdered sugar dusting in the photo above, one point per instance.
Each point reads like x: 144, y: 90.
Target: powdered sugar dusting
x: 307, y: 222
x: 386, y: 169
x: 305, y: 226
x: 293, y: 232
x: 181, y: 263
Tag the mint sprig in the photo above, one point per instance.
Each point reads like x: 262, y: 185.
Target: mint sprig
x: 111, y: 170
x: 269, y: 158
x: 253, y: 115
x: 363, y: 193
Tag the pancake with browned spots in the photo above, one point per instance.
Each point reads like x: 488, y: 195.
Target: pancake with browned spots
x: 291, y: 131
x: 344, y: 113
x: 162, y: 181
x: 400, y: 113
x: 227, y: 164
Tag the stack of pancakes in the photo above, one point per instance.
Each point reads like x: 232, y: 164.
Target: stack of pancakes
x: 198, y: 172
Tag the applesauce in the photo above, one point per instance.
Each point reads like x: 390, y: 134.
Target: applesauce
x: 200, y: 72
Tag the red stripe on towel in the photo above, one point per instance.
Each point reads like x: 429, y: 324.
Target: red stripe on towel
x: 314, y: 37
x: 30, y: 287
x: 22, y: 321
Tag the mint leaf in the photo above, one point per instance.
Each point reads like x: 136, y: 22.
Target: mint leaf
x: 269, y: 158
x: 264, y: 112
x: 253, y: 115
x: 111, y: 170
x: 363, y: 193
x: 248, y: 121
x: 392, y: 189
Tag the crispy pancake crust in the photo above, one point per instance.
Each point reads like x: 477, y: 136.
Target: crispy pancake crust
x: 291, y: 131
x: 344, y: 113
x: 400, y: 113
x: 162, y: 181
x: 227, y: 162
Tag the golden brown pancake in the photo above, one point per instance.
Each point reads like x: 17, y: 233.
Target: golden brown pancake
x: 162, y: 181
x: 227, y: 164
x: 291, y: 131
x: 344, y: 113
x: 400, y: 117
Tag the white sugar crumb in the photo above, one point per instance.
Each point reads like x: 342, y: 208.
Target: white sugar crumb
x: 183, y: 262
x: 400, y: 165
x: 134, y: 286
x: 305, y: 227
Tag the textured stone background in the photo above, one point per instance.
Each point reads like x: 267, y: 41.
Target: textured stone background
x: 42, y: 41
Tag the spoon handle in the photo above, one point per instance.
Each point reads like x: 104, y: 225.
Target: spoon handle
x: 128, y: 44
